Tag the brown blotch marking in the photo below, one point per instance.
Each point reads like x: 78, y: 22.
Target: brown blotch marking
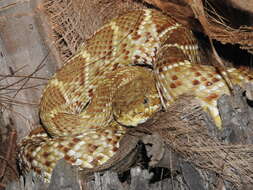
x: 215, y: 80
x: 115, y: 66
x: 203, y: 79
x: 114, y: 142
x: 92, y: 147
x: 29, y: 158
x: 37, y: 170
x: 109, y: 139
x: 71, y: 144
x: 67, y: 157
x: 94, y: 162
x: 60, y: 146
x: 131, y: 31
x: 211, y: 97
x: 163, y: 63
x: 48, y: 164
x: 115, y: 149
x: 210, y: 75
x: 123, y: 51
x: 197, y: 74
x: 46, y: 154
x: 72, y: 160
x: 124, y: 45
x: 160, y: 69
x: 208, y: 83
x: 172, y: 85
x: 195, y: 82
x: 136, y: 36
x: 137, y: 57
x: 144, y: 61
x: 174, y: 77
x: 97, y: 72
x: 250, y: 77
x: 65, y: 149
x: 90, y: 92
x: 76, y: 140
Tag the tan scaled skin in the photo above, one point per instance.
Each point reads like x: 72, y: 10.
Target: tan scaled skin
x: 117, y: 79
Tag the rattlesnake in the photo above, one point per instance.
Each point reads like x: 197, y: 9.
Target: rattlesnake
x: 123, y: 74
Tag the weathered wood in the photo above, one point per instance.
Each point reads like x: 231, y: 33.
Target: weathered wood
x: 237, y: 117
x: 22, y: 50
x: 64, y: 177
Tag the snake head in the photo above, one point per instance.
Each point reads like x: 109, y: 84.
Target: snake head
x: 137, y: 100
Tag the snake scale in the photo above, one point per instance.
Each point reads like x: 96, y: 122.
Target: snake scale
x: 130, y: 68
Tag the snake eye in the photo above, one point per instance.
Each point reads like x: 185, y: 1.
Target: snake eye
x: 145, y: 101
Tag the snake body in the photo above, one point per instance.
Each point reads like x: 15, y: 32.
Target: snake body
x: 118, y: 78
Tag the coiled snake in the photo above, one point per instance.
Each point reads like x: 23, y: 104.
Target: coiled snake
x: 119, y: 77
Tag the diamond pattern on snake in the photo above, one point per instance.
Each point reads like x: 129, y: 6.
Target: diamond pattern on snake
x: 118, y: 78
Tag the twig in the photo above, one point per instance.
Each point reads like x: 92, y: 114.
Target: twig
x: 11, y: 101
x: 14, y: 89
x: 225, y: 76
x: 13, y: 72
x: 40, y: 66
x: 22, y: 76
x: 27, y: 77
